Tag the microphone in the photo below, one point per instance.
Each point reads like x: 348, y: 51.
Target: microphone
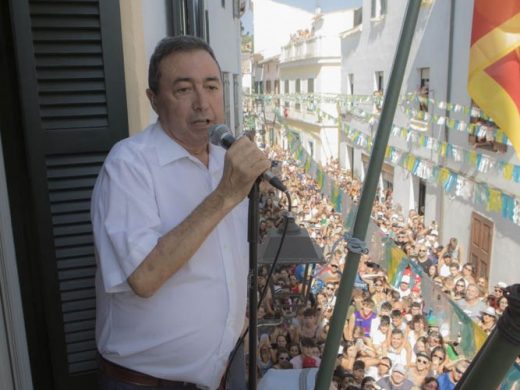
x: 220, y: 135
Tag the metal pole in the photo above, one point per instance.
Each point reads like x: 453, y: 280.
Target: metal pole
x: 328, y: 363
x: 253, y: 280
x: 490, y: 365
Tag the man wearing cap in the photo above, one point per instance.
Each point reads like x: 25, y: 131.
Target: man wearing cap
x: 404, y: 286
x: 397, y: 380
x: 420, y: 369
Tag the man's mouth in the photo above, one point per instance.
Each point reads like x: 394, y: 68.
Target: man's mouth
x: 199, y: 122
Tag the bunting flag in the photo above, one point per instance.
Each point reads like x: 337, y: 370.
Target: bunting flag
x: 494, y: 67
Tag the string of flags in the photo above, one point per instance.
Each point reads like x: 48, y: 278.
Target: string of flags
x: 453, y: 183
x: 409, y: 104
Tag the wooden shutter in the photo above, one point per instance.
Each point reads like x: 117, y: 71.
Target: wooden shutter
x: 70, y: 73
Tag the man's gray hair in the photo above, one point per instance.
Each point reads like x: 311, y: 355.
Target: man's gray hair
x: 170, y: 45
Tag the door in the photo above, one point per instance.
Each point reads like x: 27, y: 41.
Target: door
x: 481, y: 244
x: 70, y: 84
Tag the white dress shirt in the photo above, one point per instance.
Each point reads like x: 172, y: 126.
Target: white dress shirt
x: 186, y: 330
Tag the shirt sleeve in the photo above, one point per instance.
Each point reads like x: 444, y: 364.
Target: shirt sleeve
x: 125, y: 220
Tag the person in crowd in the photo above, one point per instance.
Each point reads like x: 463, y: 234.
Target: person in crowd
x: 264, y: 359
x: 368, y: 383
x: 438, y: 359
x: 448, y: 380
x: 308, y: 357
x: 430, y: 383
x: 349, y: 356
x: 482, y: 284
x: 282, y: 359
x: 378, y: 293
x: 294, y: 350
x: 499, y: 289
x: 417, y: 328
x: 309, y: 328
x: 454, y: 250
x: 157, y: 239
x: 488, y: 319
x: 501, y: 305
x: 381, y: 333
x: 396, y: 380
x: 362, y: 318
x: 358, y: 370
x: 398, y: 321
x: 379, y: 368
x: 420, y: 370
x: 471, y: 304
x: 460, y: 290
x: 397, y: 348
x: 432, y: 271
x: 423, y: 259
x: 404, y: 286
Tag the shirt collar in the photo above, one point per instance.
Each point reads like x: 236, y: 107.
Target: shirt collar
x: 168, y: 150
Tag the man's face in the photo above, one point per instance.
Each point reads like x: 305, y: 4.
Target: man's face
x: 396, y: 340
x: 472, y: 292
x: 398, y: 377
x: 383, y: 367
x: 359, y: 374
x: 397, y: 321
x: 190, y: 97
x: 457, y: 373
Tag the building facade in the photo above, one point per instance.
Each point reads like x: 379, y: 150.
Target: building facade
x: 433, y: 129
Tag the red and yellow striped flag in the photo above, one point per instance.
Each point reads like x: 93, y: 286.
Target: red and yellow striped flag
x: 494, y: 66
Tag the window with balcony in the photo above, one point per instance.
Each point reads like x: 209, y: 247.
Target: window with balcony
x: 424, y: 89
x: 485, y: 129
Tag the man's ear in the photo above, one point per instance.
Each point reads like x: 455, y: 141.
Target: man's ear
x: 153, y: 99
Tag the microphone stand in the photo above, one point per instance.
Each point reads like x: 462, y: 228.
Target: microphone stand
x: 252, y: 237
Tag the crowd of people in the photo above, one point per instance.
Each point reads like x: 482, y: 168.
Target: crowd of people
x: 388, y: 341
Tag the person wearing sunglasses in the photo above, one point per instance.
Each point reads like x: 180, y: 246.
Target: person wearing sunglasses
x: 420, y: 370
x: 448, y: 380
x: 438, y: 359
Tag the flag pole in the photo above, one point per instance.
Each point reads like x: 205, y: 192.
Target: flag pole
x: 344, y: 294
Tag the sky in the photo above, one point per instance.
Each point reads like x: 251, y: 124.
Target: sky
x: 309, y: 5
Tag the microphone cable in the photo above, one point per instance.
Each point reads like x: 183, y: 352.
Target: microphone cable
x: 264, y: 291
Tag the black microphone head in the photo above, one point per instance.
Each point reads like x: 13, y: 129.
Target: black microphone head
x: 217, y: 132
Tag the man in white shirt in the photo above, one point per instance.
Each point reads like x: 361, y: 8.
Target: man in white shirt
x: 169, y: 220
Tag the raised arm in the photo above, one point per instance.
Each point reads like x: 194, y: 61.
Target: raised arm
x: 243, y: 164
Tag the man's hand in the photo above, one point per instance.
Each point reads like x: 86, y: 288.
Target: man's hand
x: 243, y: 165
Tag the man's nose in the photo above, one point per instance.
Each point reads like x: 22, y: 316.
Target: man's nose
x: 200, y: 99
